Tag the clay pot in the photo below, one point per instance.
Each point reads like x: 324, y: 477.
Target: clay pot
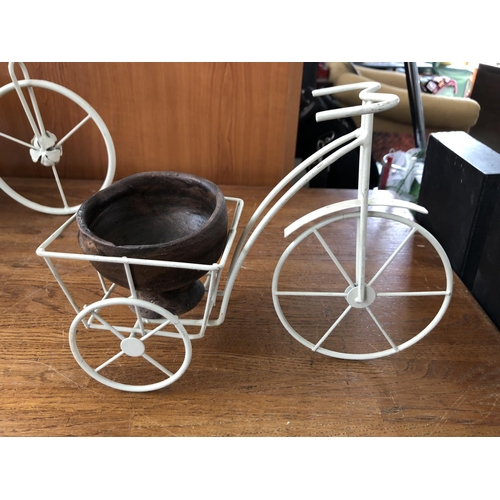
x: 168, y: 216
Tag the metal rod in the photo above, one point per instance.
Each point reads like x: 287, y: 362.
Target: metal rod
x: 73, y: 130
x: 17, y: 140
x: 416, y: 107
x: 363, y: 192
x: 59, y: 187
x: 327, y: 334
x: 334, y: 258
x: 393, y: 256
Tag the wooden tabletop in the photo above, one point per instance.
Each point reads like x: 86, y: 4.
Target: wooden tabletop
x: 249, y: 376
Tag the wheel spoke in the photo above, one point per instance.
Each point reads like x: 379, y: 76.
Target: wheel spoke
x: 59, y: 186
x: 312, y: 294
x: 139, y: 321
x: 157, y: 365
x: 121, y: 337
x: 393, y: 256
x: 333, y: 257
x: 111, y: 328
x: 386, y: 335
x: 73, y: 130
x: 109, y: 361
x: 10, y: 138
x: 156, y: 330
x: 413, y: 294
x: 327, y: 334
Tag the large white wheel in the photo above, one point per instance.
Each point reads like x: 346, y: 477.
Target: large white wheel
x: 409, y: 280
x: 42, y: 147
x: 116, y: 346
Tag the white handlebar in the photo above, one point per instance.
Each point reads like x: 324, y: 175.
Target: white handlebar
x: 372, y: 102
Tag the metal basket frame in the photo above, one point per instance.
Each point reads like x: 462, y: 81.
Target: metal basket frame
x: 213, y: 276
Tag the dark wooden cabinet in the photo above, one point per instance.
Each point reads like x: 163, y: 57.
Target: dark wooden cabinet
x: 461, y: 190
x: 485, y: 91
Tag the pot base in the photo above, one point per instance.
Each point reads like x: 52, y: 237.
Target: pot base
x: 176, y: 302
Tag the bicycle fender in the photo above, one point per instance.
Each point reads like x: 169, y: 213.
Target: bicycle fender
x: 345, y: 205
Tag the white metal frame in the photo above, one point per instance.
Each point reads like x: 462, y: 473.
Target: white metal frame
x: 45, y: 146
x: 132, y: 341
x: 89, y: 316
x: 351, y: 293
x: 360, y: 293
x: 211, y: 284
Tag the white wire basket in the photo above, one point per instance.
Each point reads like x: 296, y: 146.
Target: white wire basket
x: 133, y: 333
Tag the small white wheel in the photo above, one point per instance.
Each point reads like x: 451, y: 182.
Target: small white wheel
x: 125, y: 351
x: 409, y: 286
x: 42, y: 147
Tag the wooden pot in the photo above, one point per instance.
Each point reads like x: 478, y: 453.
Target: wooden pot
x: 162, y: 215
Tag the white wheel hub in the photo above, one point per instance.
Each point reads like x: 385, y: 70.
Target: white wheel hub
x: 45, y: 150
x: 352, y: 297
x: 133, y: 347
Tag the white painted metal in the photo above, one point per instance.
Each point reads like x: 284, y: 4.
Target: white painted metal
x: 346, y: 205
x: 135, y: 345
x: 44, y: 146
x: 372, y: 102
x: 361, y: 137
x: 359, y: 294
x: 351, y: 296
x: 213, y: 270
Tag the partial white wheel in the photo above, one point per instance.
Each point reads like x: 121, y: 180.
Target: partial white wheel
x: 43, y: 147
x: 409, y: 286
x: 116, y: 346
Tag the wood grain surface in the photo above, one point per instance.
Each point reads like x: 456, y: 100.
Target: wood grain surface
x: 248, y: 377
x: 232, y: 123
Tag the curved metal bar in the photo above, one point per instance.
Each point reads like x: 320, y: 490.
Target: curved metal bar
x: 247, y: 241
x: 367, y: 92
x: 321, y: 212
x: 290, y: 177
x: 361, y: 137
x: 39, y: 130
x: 377, y: 102
x: 345, y: 205
x: 297, y: 186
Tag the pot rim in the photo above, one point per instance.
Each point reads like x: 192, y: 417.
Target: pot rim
x: 219, y: 197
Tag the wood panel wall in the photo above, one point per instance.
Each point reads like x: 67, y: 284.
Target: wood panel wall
x: 233, y: 123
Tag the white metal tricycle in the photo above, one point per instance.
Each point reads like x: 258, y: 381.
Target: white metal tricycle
x: 116, y: 345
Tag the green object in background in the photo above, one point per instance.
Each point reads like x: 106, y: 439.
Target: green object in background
x: 462, y: 76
